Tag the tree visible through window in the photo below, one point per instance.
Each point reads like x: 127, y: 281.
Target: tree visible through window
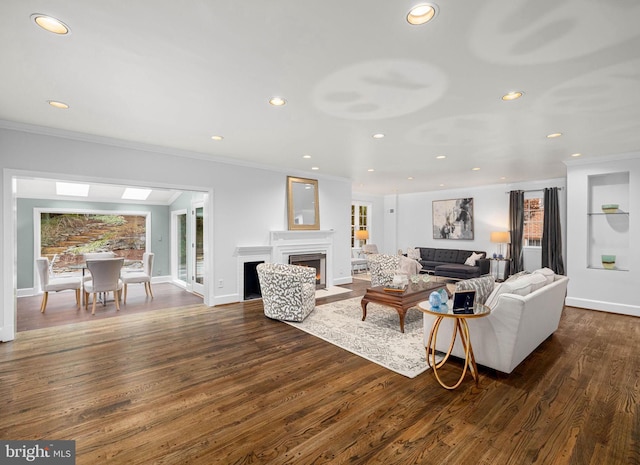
x: 64, y: 237
x: 533, y: 222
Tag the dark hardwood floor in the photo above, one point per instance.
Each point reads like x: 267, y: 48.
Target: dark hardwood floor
x: 198, y: 385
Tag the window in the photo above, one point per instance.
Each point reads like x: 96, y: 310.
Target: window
x: 533, y: 221
x: 360, y: 219
x: 64, y: 236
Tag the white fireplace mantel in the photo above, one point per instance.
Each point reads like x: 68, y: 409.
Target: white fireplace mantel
x: 285, y: 243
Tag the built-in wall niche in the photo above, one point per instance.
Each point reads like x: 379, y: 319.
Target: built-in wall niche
x: 608, y: 221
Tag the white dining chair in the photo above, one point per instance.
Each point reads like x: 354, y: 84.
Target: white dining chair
x: 105, y: 277
x: 143, y: 276
x: 53, y: 284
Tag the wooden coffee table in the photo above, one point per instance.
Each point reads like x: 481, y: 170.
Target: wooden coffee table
x: 401, y: 301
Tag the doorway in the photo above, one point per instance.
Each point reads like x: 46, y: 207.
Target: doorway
x: 19, y: 261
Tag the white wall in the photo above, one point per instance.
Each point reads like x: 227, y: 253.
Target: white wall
x: 245, y: 202
x: 599, y: 289
x: 490, y: 210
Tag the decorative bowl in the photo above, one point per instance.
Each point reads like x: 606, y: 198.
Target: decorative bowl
x: 609, y: 261
x: 610, y: 207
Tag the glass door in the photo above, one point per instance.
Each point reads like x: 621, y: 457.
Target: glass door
x: 197, y: 248
x: 179, y: 249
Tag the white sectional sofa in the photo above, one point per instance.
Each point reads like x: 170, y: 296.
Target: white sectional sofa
x: 524, y: 312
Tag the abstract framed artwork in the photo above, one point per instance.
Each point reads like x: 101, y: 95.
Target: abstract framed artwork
x: 453, y: 219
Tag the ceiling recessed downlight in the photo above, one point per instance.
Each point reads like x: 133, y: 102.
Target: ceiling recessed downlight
x: 56, y: 104
x: 315, y: 168
x: 576, y: 154
x: 475, y: 169
x: 277, y: 101
x: 441, y: 157
x: 554, y: 135
x: 306, y: 156
x: 48, y: 23
x: 378, y: 135
x: 421, y: 14
x: 218, y: 138
x: 514, y: 95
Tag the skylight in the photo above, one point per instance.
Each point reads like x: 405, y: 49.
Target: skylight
x: 71, y: 188
x: 132, y: 193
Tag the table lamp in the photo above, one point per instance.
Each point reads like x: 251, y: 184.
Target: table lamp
x: 500, y: 237
x: 362, y: 235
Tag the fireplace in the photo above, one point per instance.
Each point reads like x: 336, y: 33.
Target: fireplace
x: 313, y: 260
x: 251, y: 283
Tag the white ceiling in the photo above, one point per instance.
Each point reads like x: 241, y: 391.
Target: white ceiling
x: 37, y: 188
x: 172, y: 74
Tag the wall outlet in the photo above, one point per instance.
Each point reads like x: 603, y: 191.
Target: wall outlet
x: 220, y: 283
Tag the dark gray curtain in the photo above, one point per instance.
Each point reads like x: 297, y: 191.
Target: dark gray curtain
x: 552, y: 233
x: 516, y: 227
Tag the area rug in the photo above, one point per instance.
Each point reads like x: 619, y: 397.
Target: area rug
x: 331, y: 290
x: 377, y: 339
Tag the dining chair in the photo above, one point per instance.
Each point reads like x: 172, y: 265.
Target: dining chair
x: 53, y: 284
x: 143, y: 276
x: 98, y: 255
x: 105, y: 277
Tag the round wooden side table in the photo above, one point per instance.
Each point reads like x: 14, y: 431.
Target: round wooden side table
x: 460, y: 326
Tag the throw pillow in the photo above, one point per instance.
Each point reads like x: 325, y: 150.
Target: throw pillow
x: 519, y: 286
x: 413, y: 253
x: 535, y: 280
x: 483, y: 287
x: 471, y: 261
x: 513, y: 277
x: 548, y: 273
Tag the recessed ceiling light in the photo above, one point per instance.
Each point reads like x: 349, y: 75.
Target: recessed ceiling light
x: 512, y: 95
x: 50, y: 24
x: 218, y: 138
x: 277, y: 101
x: 370, y: 170
x: 576, y: 154
x: 133, y: 193
x: 441, y: 157
x: 441, y: 185
x: 378, y: 136
x: 502, y: 178
x: 306, y: 156
x: 421, y: 14
x: 72, y: 188
x: 554, y: 135
x: 410, y: 178
x: 475, y: 169
x: 315, y: 168
x: 56, y: 104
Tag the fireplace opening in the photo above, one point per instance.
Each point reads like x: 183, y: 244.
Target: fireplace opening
x: 313, y: 260
x: 251, y: 283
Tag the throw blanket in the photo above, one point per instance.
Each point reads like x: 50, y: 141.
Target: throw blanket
x: 408, y: 266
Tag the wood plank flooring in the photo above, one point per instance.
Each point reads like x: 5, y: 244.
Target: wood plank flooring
x: 198, y: 385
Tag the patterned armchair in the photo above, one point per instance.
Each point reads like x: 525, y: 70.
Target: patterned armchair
x: 288, y: 291
x: 382, y: 268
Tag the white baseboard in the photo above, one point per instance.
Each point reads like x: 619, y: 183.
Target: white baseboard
x: 345, y: 280
x: 226, y: 299
x: 611, y: 307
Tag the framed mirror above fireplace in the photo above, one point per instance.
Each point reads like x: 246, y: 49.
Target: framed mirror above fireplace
x: 302, y: 204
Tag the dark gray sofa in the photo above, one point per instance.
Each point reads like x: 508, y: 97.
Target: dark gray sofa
x: 450, y: 263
